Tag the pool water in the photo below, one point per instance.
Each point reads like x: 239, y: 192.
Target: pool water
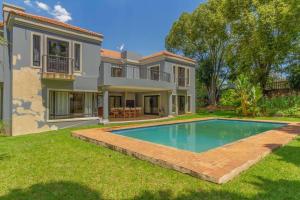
x: 199, y: 136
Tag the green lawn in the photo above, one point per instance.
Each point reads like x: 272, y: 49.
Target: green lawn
x: 54, y: 165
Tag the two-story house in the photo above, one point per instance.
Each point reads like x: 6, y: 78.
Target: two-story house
x: 54, y: 75
x: 162, y: 84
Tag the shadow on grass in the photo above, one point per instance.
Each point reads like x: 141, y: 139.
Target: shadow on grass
x: 290, y: 153
x: 55, y: 190
x: 267, y: 189
x: 3, y: 156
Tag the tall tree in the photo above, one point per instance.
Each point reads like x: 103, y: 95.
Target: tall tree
x: 265, y: 34
x: 203, y: 35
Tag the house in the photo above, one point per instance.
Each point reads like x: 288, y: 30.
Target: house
x: 54, y: 75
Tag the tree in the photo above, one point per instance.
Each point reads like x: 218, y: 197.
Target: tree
x: 203, y: 35
x: 294, y: 77
x: 265, y: 34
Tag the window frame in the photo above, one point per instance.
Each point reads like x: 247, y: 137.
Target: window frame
x: 188, y: 76
x: 80, y: 53
x: 70, y: 91
x: 174, y: 103
x: 60, y: 39
x: 150, y: 72
x: 175, y: 79
x: 41, y: 49
x: 189, y: 103
x: 113, y: 67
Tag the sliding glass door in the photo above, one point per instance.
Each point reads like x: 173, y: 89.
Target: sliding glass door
x: 64, y: 105
x: 77, y: 103
x: 151, y: 104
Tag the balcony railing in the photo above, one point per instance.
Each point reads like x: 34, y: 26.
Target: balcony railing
x: 57, y: 67
x: 58, y: 64
x: 139, y: 73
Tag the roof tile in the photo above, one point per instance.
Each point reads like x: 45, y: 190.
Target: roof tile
x: 110, y: 53
x: 54, y: 22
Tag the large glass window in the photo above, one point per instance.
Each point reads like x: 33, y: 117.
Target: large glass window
x: 36, y: 50
x: 64, y: 105
x: 77, y: 57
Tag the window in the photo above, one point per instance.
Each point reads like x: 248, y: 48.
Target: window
x: 116, y: 72
x: 189, y: 103
x: 65, y: 105
x: 77, y: 57
x: 36, y: 50
x: 181, y: 76
x: 174, y: 103
x: 174, y: 74
x: 187, y: 76
x: 154, y: 73
x: 58, y: 56
x: 58, y: 48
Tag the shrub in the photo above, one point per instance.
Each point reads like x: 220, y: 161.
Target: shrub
x: 294, y: 76
x: 228, y: 98
x: 245, y: 96
x: 282, y: 105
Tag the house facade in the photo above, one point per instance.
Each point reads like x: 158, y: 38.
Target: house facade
x: 54, y: 75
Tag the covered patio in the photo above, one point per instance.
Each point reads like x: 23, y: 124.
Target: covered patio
x: 129, y: 104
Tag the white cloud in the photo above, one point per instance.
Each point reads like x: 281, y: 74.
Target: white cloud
x: 42, y: 5
x: 28, y: 3
x: 61, y: 14
x: 58, y: 12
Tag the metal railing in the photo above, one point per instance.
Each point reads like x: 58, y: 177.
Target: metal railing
x: 131, y: 72
x: 58, y: 64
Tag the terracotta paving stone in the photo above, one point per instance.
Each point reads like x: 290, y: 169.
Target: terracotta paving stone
x: 217, y: 165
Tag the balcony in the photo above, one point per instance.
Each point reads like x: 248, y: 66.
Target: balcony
x: 57, y: 67
x: 137, y: 73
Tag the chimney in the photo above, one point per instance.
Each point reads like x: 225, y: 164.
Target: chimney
x: 10, y: 7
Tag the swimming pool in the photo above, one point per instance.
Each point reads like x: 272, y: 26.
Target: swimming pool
x: 199, y: 136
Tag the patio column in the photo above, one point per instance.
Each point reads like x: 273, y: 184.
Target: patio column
x: 170, y: 104
x: 105, y: 97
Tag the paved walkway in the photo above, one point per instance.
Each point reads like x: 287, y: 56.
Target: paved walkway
x: 218, y: 165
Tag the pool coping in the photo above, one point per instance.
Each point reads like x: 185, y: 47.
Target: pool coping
x: 218, y: 165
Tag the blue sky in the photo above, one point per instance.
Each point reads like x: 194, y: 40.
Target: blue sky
x: 139, y: 25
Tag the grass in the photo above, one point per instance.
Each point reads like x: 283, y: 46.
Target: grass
x: 54, y: 165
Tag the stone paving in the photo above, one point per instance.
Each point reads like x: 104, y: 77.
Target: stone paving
x: 218, y: 165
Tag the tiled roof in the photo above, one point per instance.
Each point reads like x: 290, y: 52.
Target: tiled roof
x: 54, y: 22
x: 110, y: 53
x: 1, y: 24
x: 117, y: 55
x: 169, y: 54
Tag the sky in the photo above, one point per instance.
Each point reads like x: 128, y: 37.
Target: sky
x: 136, y: 25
